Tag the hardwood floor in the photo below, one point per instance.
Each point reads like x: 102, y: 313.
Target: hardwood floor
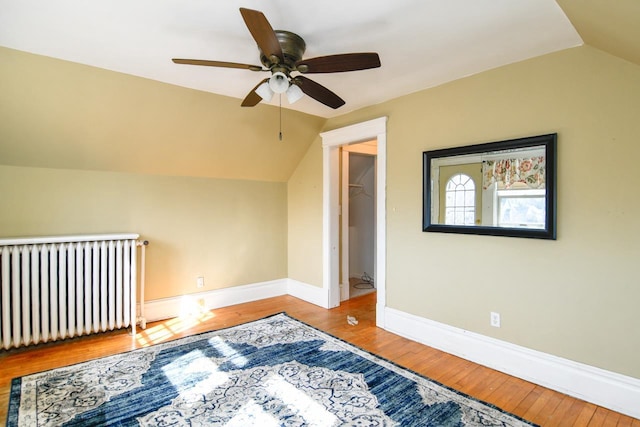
x: 527, y: 400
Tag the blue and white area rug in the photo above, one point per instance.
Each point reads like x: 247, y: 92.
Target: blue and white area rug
x: 275, y: 371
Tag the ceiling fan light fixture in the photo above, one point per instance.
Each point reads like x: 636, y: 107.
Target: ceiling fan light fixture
x: 279, y: 82
x: 294, y: 93
x: 265, y: 92
x: 281, y: 54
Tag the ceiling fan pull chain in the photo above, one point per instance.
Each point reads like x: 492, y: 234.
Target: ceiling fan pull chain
x: 280, y: 133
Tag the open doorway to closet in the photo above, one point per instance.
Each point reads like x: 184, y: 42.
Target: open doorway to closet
x: 358, y: 219
x: 375, y: 129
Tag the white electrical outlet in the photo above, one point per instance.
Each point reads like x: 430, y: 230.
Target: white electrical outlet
x: 495, y: 319
x: 200, y: 282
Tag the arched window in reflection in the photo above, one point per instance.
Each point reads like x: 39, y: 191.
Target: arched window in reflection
x: 460, y: 200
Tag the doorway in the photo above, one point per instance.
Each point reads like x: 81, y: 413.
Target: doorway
x: 358, y: 219
x: 375, y: 129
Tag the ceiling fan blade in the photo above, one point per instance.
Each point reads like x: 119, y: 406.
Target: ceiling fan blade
x: 262, y: 33
x: 318, y: 92
x: 218, y: 64
x: 252, y: 99
x: 339, y: 63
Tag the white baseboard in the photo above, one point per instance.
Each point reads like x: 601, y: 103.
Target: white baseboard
x: 608, y: 389
x: 313, y: 294
x: 167, y: 308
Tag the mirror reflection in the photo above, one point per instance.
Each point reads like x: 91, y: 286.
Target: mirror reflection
x: 501, y: 188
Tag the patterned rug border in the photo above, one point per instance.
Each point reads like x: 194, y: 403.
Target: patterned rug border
x: 16, y: 383
x: 14, y: 395
x: 391, y: 362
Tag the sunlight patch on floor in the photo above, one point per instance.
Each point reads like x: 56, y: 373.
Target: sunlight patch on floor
x: 253, y: 414
x: 192, y: 313
x: 181, y: 370
x: 314, y: 413
x: 233, y: 356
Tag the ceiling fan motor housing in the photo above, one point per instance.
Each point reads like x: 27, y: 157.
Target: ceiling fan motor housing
x: 293, y: 47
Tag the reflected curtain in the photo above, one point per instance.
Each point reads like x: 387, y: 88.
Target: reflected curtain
x: 507, y: 172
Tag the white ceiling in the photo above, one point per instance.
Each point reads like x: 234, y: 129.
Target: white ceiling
x: 421, y: 43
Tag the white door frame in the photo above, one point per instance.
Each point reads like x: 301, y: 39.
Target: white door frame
x: 331, y: 143
x: 344, y: 212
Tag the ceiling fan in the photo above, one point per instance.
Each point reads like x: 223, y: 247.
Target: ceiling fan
x: 281, y: 54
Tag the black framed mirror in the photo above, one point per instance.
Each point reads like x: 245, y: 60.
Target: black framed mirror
x: 503, y: 188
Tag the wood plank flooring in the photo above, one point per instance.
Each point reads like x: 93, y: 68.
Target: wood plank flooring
x: 532, y: 402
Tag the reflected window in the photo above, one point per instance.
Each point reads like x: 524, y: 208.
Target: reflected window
x: 521, y: 208
x: 460, y: 200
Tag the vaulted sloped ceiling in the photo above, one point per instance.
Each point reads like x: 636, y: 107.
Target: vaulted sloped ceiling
x: 58, y: 114
x: 611, y: 26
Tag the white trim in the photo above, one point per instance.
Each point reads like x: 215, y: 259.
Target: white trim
x: 330, y: 231
x: 381, y: 228
x: 608, y: 389
x: 167, y: 308
x: 331, y: 142
x: 355, y: 133
x: 309, y: 293
x: 344, y: 212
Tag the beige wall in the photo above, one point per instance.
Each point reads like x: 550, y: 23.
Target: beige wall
x: 304, y: 191
x: 231, y: 232
x: 86, y: 150
x: 575, y: 297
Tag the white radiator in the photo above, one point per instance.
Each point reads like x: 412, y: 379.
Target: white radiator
x: 53, y: 288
